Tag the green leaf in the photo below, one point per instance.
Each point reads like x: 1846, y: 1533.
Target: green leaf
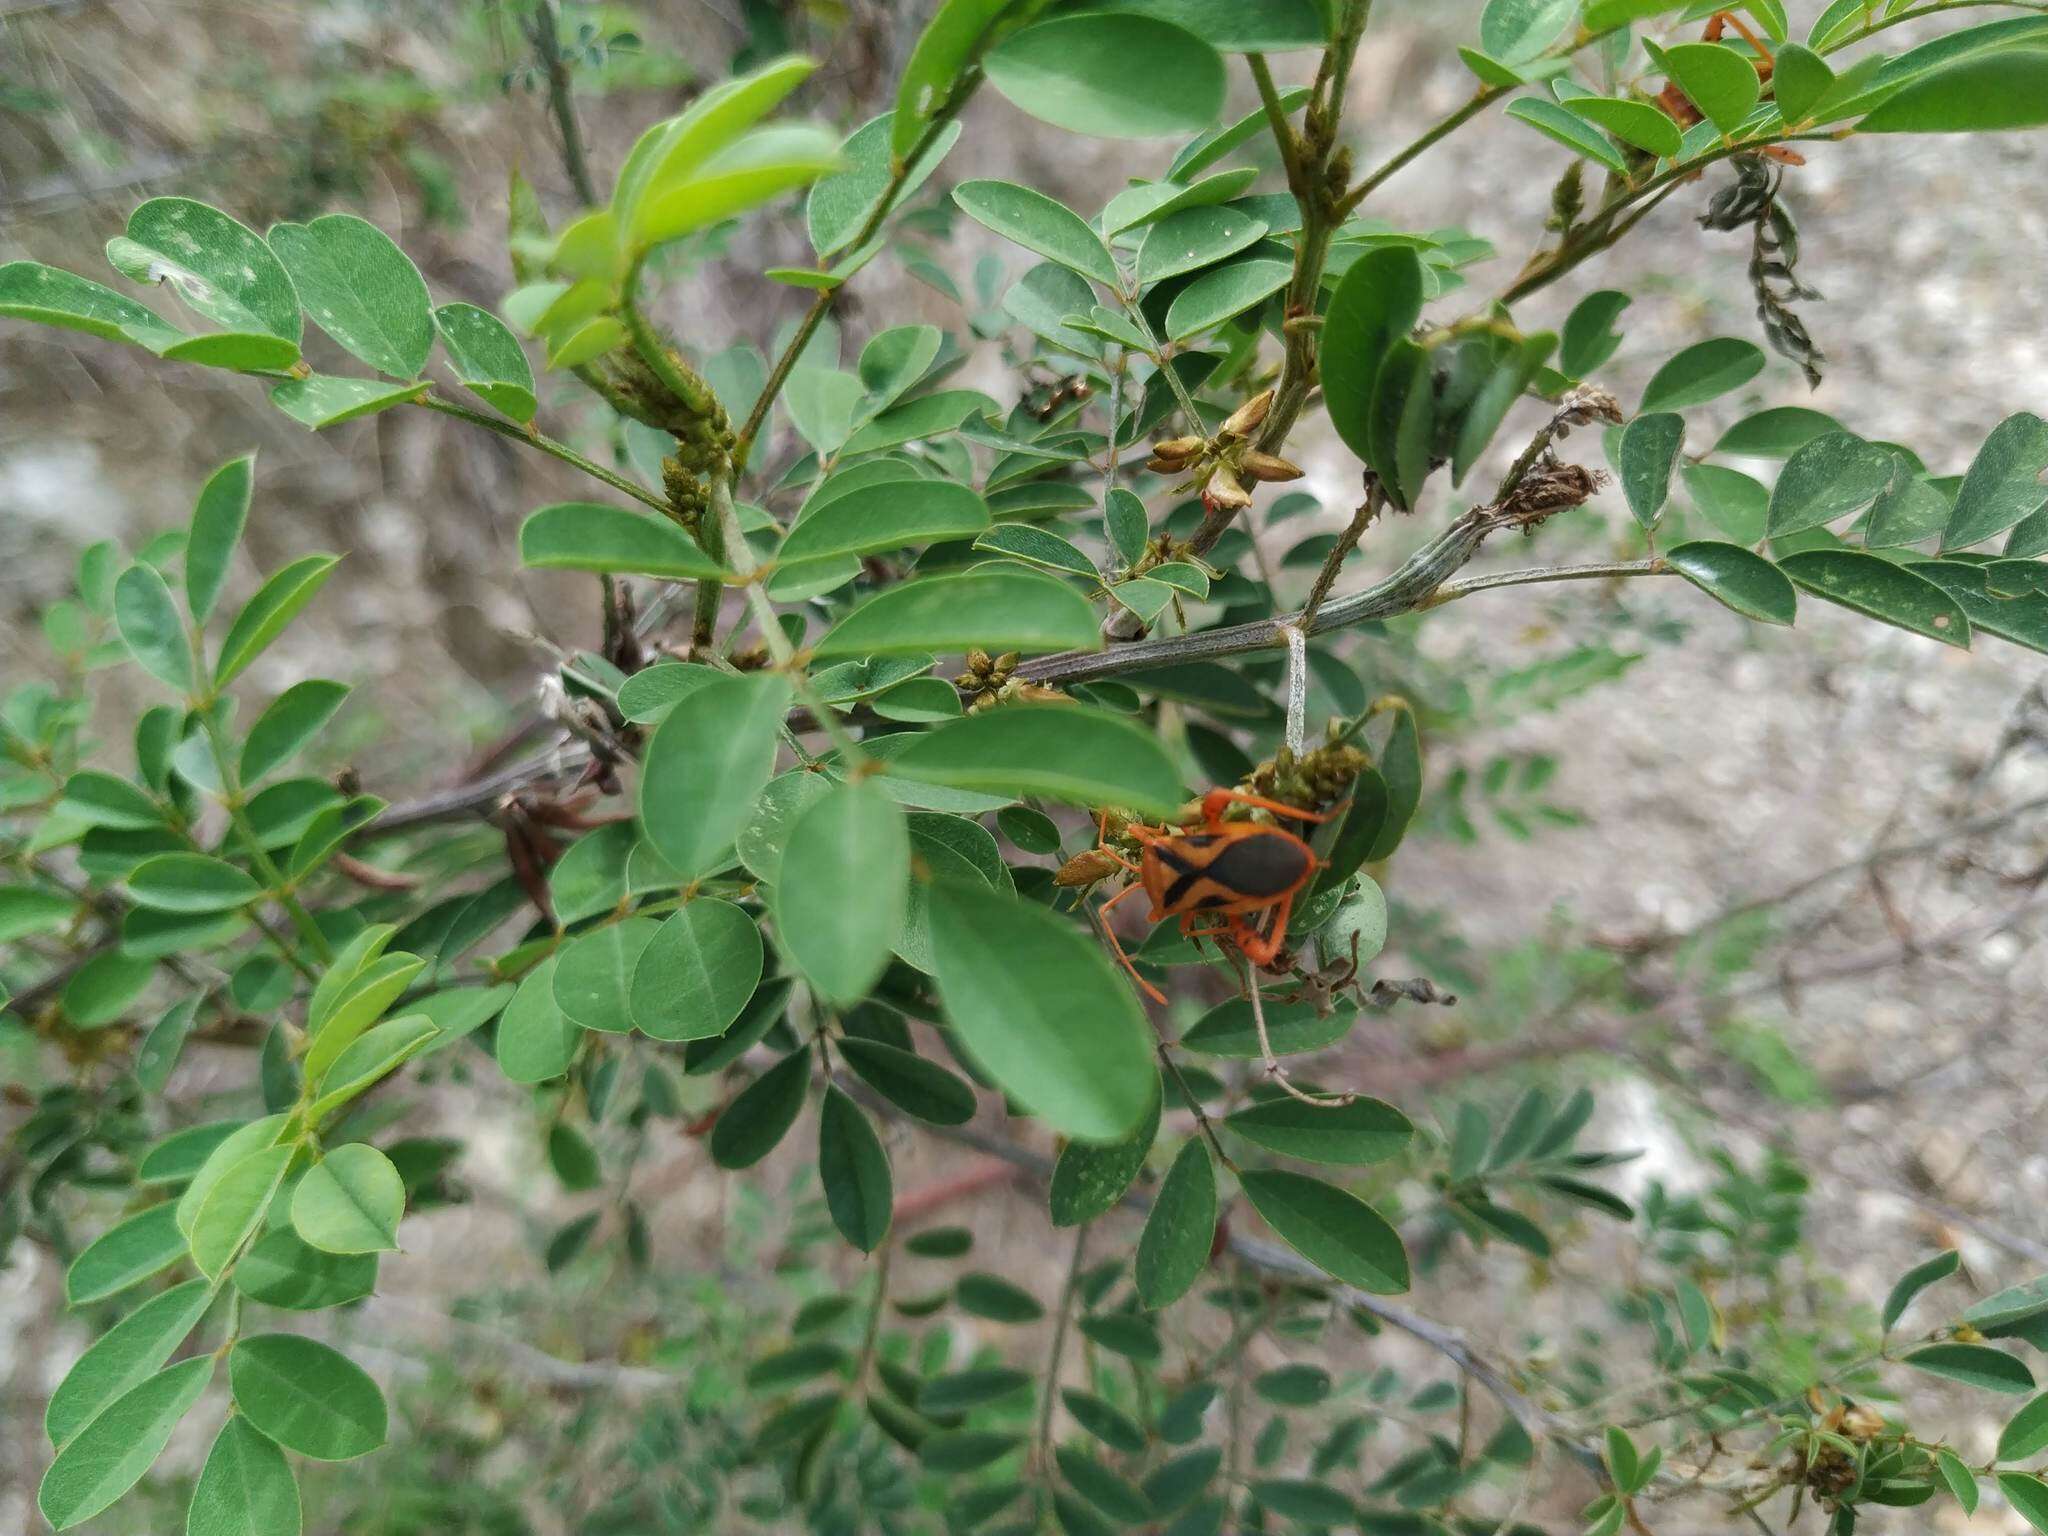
x: 1776, y: 433
x: 1038, y: 223
x: 123, y: 1254
x: 234, y: 1208
x: 1737, y: 577
x: 150, y: 626
x: 191, y: 882
x: 227, y: 1153
x: 841, y: 204
x: 109, y: 1455
x: 51, y: 296
x: 1720, y: 81
x: 2003, y: 485
x: 1704, y: 371
x: 1067, y: 752
x: 1799, y: 79
x: 485, y: 355
x: 1222, y: 294
x: 1363, y: 1131
x: 360, y: 289
x: 101, y: 989
x: 955, y: 37
x: 1647, y: 453
x: 306, y: 1396
x: 326, y: 401
x: 1043, y: 1010
x: 246, y: 1487
x: 536, y: 1041
x: 293, y: 719
x: 216, y: 529
x: 1331, y: 1228
x: 1962, y: 1482
x: 920, y: 1088
x: 1180, y: 1230
x: 282, y: 1271
x: 217, y: 266
x: 855, y: 1172
x: 995, y: 610
x: 589, y: 536
x: 759, y: 166
x: 749, y: 1128
x: 1916, y: 1280
x: 1515, y: 31
x: 1825, y: 478
x: 1636, y: 123
x: 886, y: 516
x: 1241, y: 26
x: 1075, y: 72
x: 350, y: 1201
x: 1589, y: 338
x: 1091, y: 1177
x: 123, y: 1357
x: 1503, y: 387
x: 378, y: 1053
x: 852, y: 839
x: 1195, y: 238
x: 705, y: 764
x: 594, y: 971
x: 263, y: 618
x: 1376, y: 303
x: 1623, y: 1462
x: 2027, y: 1494
x: 1975, y: 1365
x: 1400, y: 765
x: 676, y: 148
x: 1995, y: 91
x: 1731, y: 500
x: 697, y: 972
x: 1229, y: 1029
x: 1035, y: 546
x: 102, y: 800
x: 1876, y: 587
x: 2026, y: 1433
x: 1568, y: 129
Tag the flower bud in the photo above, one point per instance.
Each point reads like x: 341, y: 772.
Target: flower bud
x: 1247, y: 418
x: 1266, y: 466
x: 1226, y: 491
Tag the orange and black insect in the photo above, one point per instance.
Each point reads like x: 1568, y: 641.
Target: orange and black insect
x: 1225, y: 872
x: 1680, y: 108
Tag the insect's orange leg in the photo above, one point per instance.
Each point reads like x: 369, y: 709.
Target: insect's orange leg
x: 1261, y: 948
x: 1720, y: 21
x: 1109, y: 932
x: 1214, y: 802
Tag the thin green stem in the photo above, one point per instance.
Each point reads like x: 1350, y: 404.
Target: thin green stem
x: 739, y: 558
x: 899, y: 171
x: 871, y: 1338
x: 1062, y: 1320
x: 1438, y: 130
x: 259, y: 856
x: 1872, y: 28
x: 546, y: 445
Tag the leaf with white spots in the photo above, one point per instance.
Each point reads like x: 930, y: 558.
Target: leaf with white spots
x: 216, y: 264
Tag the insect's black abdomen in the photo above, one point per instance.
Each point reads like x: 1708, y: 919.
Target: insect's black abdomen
x: 1260, y: 866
